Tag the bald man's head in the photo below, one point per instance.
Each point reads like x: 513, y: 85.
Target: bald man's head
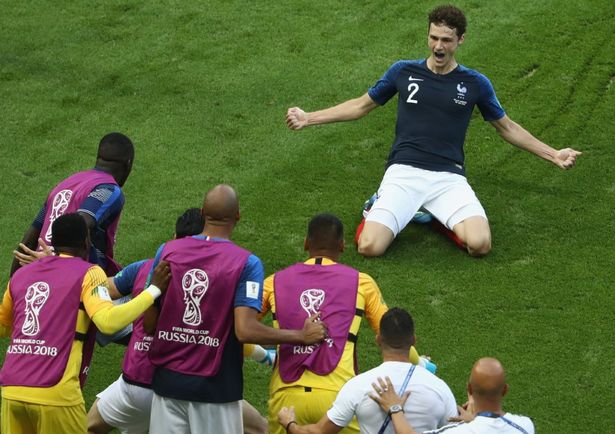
x: 488, y: 380
x: 221, y: 206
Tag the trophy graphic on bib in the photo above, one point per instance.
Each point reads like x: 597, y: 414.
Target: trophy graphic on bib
x: 60, y: 203
x: 194, y: 283
x: 36, y: 296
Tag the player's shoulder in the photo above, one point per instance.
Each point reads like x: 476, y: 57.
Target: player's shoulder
x: 521, y: 420
x: 473, y: 73
x: 402, y: 64
x: 94, y: 277
x: 455, y: 427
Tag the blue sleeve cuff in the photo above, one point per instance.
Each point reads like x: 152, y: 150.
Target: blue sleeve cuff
x: 249, y: 291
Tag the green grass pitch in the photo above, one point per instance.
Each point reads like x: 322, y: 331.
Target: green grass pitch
x: 202, y: 88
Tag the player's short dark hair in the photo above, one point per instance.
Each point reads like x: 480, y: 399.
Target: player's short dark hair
x: 325, y: 231
x: 397, y: 329
x: 69, y: 230
x: 191, y: 222
x: 116, y: 147
x: 450, y: 16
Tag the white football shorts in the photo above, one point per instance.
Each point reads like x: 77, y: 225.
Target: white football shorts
x: 185, y: 417
x: 404, y: 189
x: 126, y: 407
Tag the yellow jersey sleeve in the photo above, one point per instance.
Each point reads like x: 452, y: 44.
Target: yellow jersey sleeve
x: 6, y: 313
x: 375, y: 306
x: 108, y: 317
x: 267, y: 297
x: 94, y: 291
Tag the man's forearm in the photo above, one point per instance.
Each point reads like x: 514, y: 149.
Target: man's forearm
x: 347, y: 111
x: 401, y: 425
x: 518, y: 136
x: 30, y: 240
x: 115, y: 318
x: 258, y: 333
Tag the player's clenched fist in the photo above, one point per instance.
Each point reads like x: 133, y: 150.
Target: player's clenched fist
x: 162, y: 275
x: 566, y: 158
x: 296, y: 118
x: 314, y: 330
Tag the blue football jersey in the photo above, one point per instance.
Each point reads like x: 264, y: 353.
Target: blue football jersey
x: 433, y: 112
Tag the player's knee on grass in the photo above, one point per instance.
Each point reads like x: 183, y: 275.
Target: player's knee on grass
x: 370, y: 249
x: 96, y: 424
x: 478, y: 244
x: 374, y: 240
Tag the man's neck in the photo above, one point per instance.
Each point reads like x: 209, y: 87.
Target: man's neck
x: 324, y: 254
x: 441, y: 70
x: 395, y: 356
x: 488, y: 407
x: 217, y: 233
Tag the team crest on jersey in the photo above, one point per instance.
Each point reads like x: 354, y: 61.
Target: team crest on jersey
x: 195, y: 284
x: 58, y: 207
x: 36, y: 297
x: 462, y: 90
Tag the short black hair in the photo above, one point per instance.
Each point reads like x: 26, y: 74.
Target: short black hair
x: 116, y: 147
x: 397, y: 329
x: 189, y: 223
x: 325, y: 231
x: 69, y: 230
x: 450, y: 16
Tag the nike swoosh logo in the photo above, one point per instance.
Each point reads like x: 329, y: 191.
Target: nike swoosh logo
x: 411, y: 78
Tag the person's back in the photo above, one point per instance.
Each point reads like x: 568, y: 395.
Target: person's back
x: 482, y: 424
x: 96, y: 194
x: 430, y: 405
x: 309, y: 377
x: 48, y: 309
x: 196, y: 316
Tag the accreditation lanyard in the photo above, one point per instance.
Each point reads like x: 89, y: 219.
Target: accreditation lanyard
x: 401, y: 391
x: 497, y: 416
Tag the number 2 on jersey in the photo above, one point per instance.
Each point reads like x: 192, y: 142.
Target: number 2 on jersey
x: 413, y: 88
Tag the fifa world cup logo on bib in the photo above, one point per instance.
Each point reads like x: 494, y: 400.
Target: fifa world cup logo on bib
x: 60, y: 203
x: 311, y: 300
x: 195, y: 283
x: 36, y: 296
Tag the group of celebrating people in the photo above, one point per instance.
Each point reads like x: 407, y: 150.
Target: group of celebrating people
x: 195, y: 308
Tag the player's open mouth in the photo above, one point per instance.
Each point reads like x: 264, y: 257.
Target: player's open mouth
x: 439, y: 56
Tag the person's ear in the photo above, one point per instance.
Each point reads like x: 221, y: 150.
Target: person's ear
x: 505, y: 390
x: 306, y: 244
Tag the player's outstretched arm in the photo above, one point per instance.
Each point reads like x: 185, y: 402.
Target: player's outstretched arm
x: 350, y: 110
x: 250, y: 330
x: 518, y: 136
x: 111, y: 318
x: 29, y: 240
x: 287, y: 419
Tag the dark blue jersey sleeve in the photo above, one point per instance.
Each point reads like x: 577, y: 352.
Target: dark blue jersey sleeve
x: 156, y: 262
x: 488, y: 103
x: 40, y: 217
x: 124, y: 280
x: 385, y: 88
x: 249, y: 291
x: 104, y: 203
